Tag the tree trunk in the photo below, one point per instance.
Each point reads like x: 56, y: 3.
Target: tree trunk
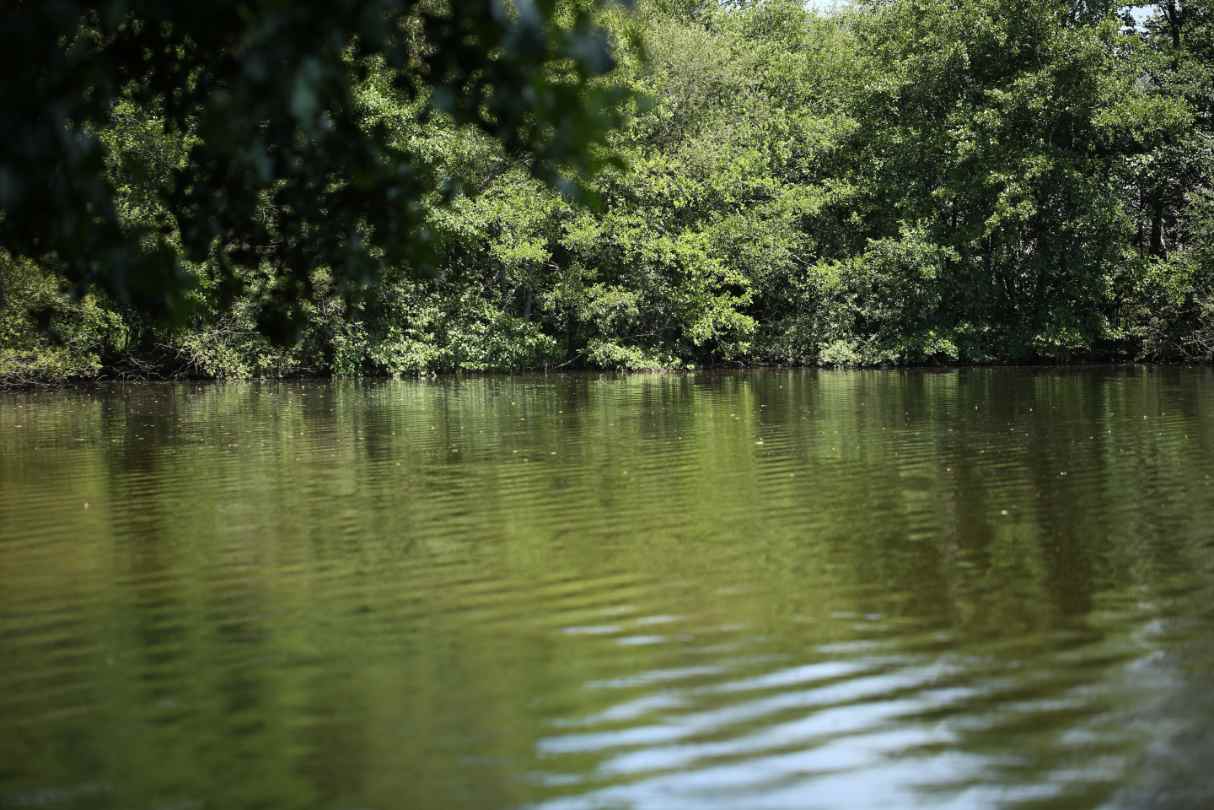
x: 1175, y: 19
x: 1158, y: 248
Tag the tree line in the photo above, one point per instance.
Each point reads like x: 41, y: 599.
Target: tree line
x: 413, y: 187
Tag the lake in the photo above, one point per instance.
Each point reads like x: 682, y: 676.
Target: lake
x: 745, y: 590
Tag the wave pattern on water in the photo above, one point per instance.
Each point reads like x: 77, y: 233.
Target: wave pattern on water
x: 976, y: 588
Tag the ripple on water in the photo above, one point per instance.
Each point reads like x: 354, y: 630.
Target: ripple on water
x: 973, y: 588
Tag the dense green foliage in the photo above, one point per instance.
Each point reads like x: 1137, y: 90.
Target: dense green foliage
x: 904, y: 181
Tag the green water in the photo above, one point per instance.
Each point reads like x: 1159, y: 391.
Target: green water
x: 973, y: 588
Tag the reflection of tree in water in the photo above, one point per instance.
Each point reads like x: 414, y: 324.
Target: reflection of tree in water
x: 398, y: 592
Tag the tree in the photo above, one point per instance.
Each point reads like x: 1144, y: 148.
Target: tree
x: 1171, y: 189
x: 277, y: 163
x: 1006, y: 130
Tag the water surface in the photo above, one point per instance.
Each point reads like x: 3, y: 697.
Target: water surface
x: 788, y: 589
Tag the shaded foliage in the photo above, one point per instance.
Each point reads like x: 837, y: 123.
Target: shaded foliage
x: 276, y: 161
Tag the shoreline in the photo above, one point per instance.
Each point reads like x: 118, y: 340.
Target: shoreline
x: 102, y: 379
